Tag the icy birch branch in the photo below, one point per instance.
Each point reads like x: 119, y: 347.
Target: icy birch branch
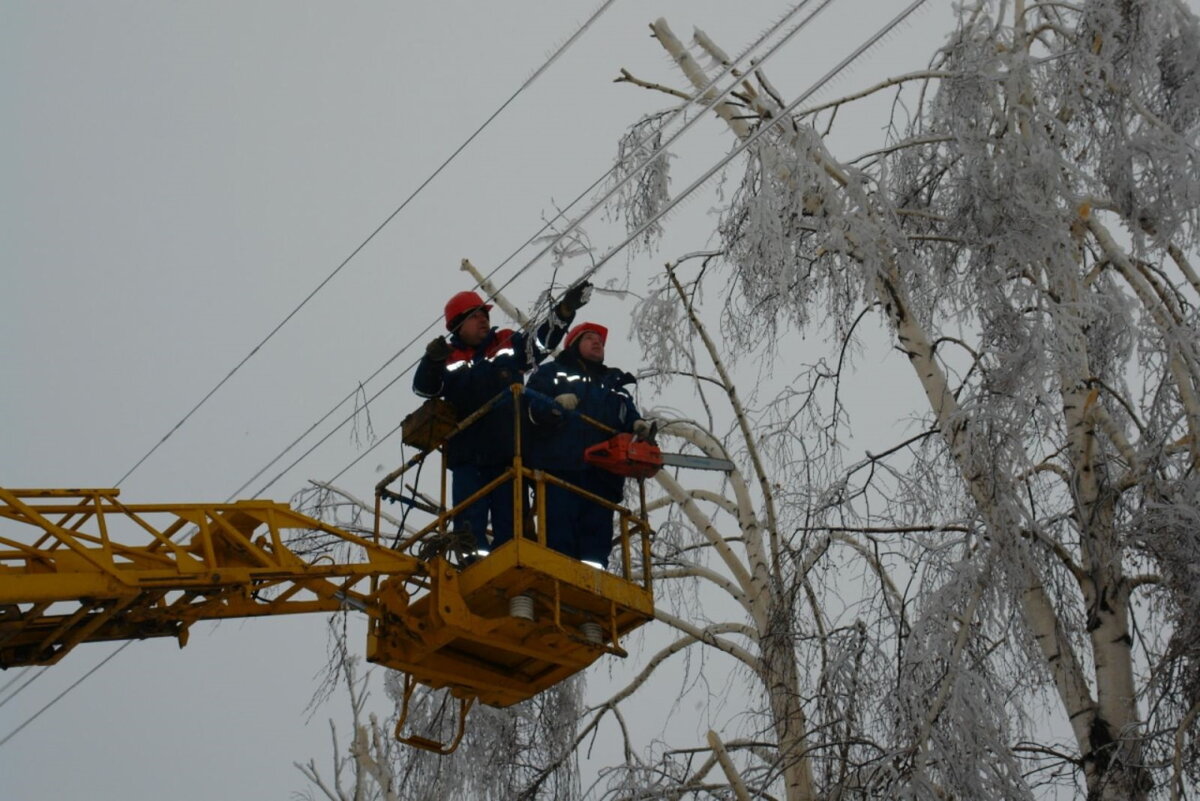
x: 705, y: 527
x: 748, y: 437
x: 1182, y: 376
x: 493, y: 292
x: 695, y: 73
x: 731, y: 773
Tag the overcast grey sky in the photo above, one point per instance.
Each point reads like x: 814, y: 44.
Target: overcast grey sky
x: 178, y: 176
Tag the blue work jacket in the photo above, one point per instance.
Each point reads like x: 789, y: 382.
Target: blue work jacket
x: 558, y: 438
x: 472, y: 376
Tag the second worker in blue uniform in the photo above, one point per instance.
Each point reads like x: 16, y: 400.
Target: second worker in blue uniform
x: 579, y: 381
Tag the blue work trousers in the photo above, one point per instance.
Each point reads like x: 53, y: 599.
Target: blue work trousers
x: 576, y: 526
x: 496, y: 505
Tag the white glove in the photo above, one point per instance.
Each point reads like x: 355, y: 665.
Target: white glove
x: 642, y: 428
x: 567, y: 401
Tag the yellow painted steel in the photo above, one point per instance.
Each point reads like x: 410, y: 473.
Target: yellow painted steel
x: 460, y: 634
x: 78, y: 566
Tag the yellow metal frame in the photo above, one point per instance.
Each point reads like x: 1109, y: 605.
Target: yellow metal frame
x: 460, y: 634
x: 84, y: 567
x: 425, y: 743
x: 629, y: 523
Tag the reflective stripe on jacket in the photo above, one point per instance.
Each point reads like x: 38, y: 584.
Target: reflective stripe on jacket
x: 470, y: 377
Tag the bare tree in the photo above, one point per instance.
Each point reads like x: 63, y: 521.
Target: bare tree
x: 1024, y: 557
x: 499, y: 750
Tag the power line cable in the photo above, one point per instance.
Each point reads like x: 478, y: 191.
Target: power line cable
x: 56, y: 698
x: 719, y: 98
x: 17, y: 678
x: 528, y: 81
x: 715, y: 168
x: 662, y: 148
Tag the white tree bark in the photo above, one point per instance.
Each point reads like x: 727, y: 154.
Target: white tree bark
x: 1077, y: 536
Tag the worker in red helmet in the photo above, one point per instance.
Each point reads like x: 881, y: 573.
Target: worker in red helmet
x: 468, y: 367
x: 579, y: 381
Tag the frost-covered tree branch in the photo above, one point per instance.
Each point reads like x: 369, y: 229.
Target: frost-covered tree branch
x: 1039, y: 209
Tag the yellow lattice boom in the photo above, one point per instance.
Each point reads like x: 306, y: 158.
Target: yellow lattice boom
x: 77, y: 565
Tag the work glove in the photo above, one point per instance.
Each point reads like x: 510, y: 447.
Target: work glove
x: 575, y: 299
x: 567, y: 401
x: 438, y: 350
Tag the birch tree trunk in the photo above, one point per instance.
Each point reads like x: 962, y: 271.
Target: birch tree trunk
x: 984, y: 216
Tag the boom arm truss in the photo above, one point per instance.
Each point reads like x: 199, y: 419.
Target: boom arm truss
x: 80, y: 566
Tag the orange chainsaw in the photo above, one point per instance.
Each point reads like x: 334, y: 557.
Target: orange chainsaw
x: 628, y: 456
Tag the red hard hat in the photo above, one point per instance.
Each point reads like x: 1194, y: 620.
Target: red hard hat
x: 462, y: 303
x: 583, y: 328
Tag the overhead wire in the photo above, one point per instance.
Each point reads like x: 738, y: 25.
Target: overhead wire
x: 58, y: 697
x: 538, y: 234
x: 761, y: 131
x: 659, y: 151
x: 412, y: 195
x: 715, y: 168
x: 17, y: 678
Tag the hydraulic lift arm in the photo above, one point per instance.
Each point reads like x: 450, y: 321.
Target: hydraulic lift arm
x: 79, y: 566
